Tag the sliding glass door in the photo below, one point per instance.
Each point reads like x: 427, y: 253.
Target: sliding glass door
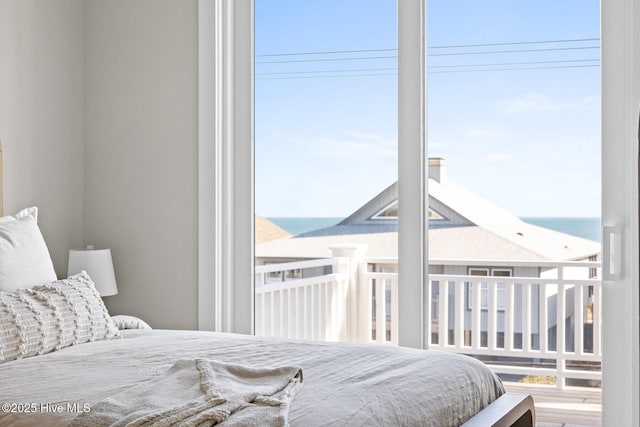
x: 326, y: 156
x: 515, y: 136
x: 227, y: 304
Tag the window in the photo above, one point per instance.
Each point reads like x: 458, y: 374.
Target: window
x: 620, y: 41
x: 391, y: 212
x: 593, y: 272
x: 325, y: 140
x: 434, y: 215
x: 484, y: 290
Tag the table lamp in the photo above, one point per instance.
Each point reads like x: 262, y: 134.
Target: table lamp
x: 98, y: 264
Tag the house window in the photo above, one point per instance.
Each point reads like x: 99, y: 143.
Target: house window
x: 391, y: 212
x: 434, y: 215
x: 484, y: 287
x: 593, y: 271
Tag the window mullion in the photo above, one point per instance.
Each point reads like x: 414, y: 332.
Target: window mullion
x: 412, y: 185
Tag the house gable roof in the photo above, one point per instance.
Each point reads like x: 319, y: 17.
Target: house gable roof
x: 439, y: 214
x: 469, y: 227
x: 266, y: 230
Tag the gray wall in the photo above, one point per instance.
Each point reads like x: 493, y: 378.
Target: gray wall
x: 141, y: 176
x: 98, y: 120
x: 41, y: 109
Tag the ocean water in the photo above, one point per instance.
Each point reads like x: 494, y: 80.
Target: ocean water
x: 299, y: 225
x: 588, y: 228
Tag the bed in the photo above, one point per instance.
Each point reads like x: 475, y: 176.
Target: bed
x: 88, y: 359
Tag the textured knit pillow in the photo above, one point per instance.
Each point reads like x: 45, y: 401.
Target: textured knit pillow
x: 24, y: 257
x: 49, y: 317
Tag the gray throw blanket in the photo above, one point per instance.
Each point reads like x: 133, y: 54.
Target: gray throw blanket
x: 201, y: 392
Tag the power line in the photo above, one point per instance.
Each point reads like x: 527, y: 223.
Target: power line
x: 327, y: 60
x: 454, y: 46
x: 495, y: 64
x: 289, y: 61
x: 514, y: 43
x: 513, y: 51
x: 430, y: 72
x: 329, y: 52
x: 328, y: 71
x: 326, y: 77
x: 513, y: 69
x: 513, y: 63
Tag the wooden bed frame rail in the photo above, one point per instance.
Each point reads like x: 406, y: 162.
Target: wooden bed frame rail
x: 509, y: 410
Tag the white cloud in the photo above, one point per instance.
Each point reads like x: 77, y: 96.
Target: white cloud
x: 486, y: 132
x: 531, y: 103
x: 539, y: 103
x: 498, y: 158
x: 359, y: 146
x: 370, y: 136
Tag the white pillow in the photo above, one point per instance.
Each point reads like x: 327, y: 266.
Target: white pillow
x: 123, y: 321
x: 49, y: 317
x: 24, y: 257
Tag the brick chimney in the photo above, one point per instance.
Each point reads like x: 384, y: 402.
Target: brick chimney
x: 437, y: 170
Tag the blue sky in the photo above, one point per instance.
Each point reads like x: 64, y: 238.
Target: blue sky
x: 528, y: 140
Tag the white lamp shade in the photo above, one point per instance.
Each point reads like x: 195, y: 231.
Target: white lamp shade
x: 98, y: 264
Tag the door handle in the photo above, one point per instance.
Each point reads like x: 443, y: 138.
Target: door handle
x: 612, y: 251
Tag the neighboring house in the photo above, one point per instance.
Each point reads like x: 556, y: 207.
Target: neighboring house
x: 462, y: 226
x: 266, y: 231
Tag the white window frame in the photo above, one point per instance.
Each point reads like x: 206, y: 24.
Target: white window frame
x: 486, y: 270
x: 620, y: 27
x: 413, y: 188
x: 501, y: 289
x: 378, y: 215
x: 226, y: 193
x: 225, y: 212
x: 226, y: 167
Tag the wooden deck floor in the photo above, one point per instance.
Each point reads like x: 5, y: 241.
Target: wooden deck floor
x: 572, y: 407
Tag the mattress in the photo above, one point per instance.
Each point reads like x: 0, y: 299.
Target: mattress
x: 344, y: 384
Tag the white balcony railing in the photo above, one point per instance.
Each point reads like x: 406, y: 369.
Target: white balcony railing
x: 290, y: 305
x: 545, y: 325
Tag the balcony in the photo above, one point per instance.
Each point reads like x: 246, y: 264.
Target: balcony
x: 540, y: 328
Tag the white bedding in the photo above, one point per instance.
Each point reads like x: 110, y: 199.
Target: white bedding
x: 344, y: 384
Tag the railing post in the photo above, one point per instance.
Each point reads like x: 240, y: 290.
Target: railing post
x: 356, y: 254
x: 561, y: 332
x: 260, y: 279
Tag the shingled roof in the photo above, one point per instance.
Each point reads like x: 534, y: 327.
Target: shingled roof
x: 462, y: 226
x: 267, y: 231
